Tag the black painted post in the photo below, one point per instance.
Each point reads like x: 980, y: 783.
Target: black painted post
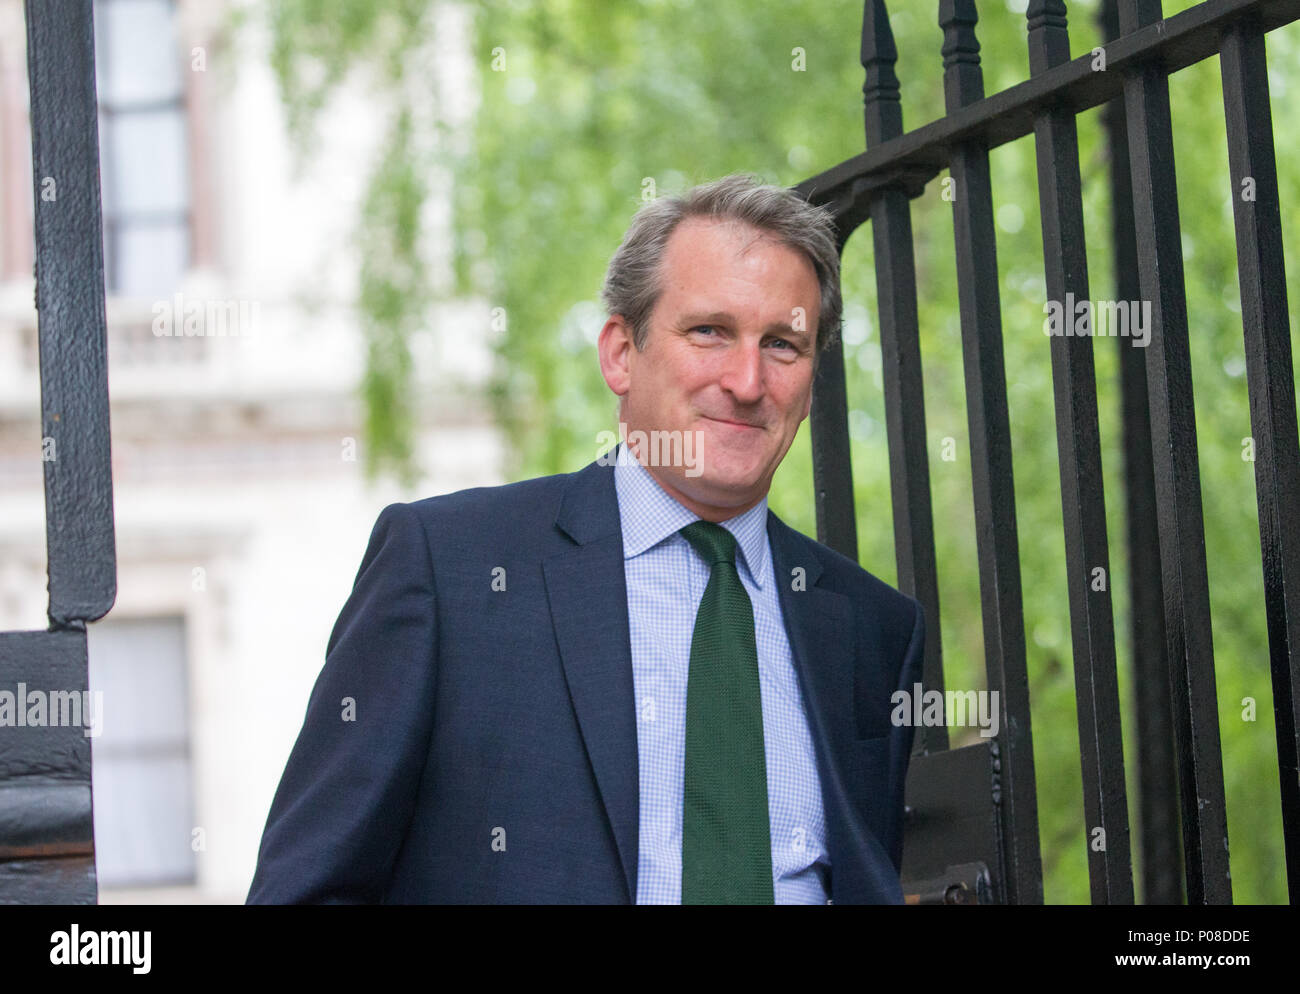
x: 900, y: 345
x: 1083, y: 503
x: 1271, y: 382
x: 988, y: 422
x: 1178, y: 482
x: 46, y: 822
x: 1157, y: 773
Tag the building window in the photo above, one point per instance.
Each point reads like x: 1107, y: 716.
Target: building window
x: 144, y: 176
x: 141, y: 776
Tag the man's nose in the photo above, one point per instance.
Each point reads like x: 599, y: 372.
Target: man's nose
x: 742, y: 376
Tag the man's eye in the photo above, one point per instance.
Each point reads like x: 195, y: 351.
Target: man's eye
x: 704, y: 327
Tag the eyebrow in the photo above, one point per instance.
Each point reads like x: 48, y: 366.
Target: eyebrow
x: 725, y: 317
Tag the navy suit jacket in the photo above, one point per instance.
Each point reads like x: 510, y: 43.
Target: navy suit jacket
x: 465, y: 744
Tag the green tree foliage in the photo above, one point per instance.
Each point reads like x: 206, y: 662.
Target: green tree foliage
x: 589, y: 107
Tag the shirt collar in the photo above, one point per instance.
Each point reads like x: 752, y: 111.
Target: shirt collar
x: 648, y: 515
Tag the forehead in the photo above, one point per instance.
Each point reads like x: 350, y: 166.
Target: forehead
x: 716, y: 256
x: 717, y: 239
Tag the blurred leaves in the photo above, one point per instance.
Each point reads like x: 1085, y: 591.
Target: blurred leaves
x: 394, y: 292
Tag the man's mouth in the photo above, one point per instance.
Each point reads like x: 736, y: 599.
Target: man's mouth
x: 734, y: 424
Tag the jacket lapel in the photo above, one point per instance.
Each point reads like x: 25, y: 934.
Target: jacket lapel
x: 587, y: 592
x: 819, y: 622
x: 820, y: 625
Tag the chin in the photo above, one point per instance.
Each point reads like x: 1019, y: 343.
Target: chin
x: 736, y: 468
x: 739, y: 483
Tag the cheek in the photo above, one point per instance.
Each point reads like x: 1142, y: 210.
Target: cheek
x: 683, y: 387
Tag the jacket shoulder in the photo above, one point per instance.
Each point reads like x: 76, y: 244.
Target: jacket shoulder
x: 490, y: 510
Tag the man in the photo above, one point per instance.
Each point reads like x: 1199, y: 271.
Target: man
x: 632, y: 683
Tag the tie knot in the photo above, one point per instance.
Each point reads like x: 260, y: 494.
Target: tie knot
x: 713, y: 542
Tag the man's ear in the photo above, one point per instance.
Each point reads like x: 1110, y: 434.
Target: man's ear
x: 613, y: 347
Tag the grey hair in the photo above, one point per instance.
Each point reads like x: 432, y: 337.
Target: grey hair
x: 632, y: 282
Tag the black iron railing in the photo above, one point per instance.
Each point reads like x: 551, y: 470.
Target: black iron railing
x: 972, y: 820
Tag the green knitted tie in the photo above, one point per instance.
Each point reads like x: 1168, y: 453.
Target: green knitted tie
x: 726, y: 837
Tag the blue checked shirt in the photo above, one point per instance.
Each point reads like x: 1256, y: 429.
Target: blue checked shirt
x: 666, y: 578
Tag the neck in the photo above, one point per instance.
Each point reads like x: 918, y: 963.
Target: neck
x: 709, y: 512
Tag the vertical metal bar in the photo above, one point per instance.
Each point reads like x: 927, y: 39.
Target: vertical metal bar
x: 70, y: 305
x: 909, y: 470
x: 1270, y: 379
x: 1178, y: 485
x: 1083, y: 503
x: 46, y: 813
x: 990, y: 445
x: 1157, y: 772
x: 832, y: 461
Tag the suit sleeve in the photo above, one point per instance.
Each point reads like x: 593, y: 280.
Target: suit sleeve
x: 900, y: 747
x: 347, y: 793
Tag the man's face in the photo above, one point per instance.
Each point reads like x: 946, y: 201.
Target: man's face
x: 728, y: 354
